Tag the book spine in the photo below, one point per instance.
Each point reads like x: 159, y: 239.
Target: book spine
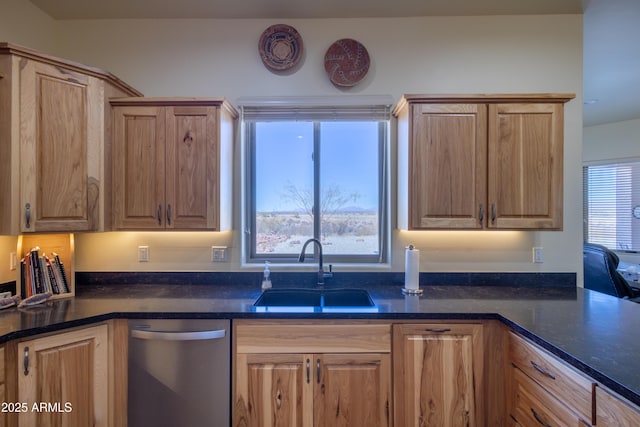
x: 37, y: 271
x: 63, y: 274
x: 52, y: 277
x: 46, y: 283
x: 23, y: 278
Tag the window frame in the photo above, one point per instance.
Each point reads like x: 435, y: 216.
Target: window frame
x: 317, y: 112
x: 613, y: 163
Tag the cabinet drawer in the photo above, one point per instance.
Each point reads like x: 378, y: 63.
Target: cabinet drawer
x: 532, y: 405
x: 555, y: 376
x: 312, y: 337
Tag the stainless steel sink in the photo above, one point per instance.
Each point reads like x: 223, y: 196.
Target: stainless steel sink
x: 315, y: 300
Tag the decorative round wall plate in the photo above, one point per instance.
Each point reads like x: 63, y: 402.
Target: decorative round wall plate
x: 346, y: 62
x: 280, y: 47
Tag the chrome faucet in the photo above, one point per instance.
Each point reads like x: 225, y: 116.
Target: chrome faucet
x: 321, y: 273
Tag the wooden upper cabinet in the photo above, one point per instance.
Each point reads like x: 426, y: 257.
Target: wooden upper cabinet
x: 58, y: 142
x: 172, y: 164
x: 54, y: 126
x: 525, y: 165
x: 451, y: 152
x: 480, y: 162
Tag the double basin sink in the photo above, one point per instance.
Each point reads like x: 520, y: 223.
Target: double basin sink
x: 315, y: 300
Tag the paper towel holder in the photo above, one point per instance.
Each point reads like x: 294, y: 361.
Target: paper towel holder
x: 411, y: 290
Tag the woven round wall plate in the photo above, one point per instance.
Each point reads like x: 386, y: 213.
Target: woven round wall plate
x: 346, y: 62
x: 280, y: 47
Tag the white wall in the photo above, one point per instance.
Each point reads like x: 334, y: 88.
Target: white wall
x: 490, y: 54
x: 611, y: 141
x: 24, y: 24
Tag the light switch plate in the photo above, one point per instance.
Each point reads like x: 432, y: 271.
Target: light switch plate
x: 538, y: 255
x: 13, y: 261
x: 218, y: 253
x: 143, y: 253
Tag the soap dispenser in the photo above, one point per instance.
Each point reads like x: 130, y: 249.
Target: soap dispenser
x: 266, y: 276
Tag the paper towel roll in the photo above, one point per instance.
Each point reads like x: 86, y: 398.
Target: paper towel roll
x: 411, y: 268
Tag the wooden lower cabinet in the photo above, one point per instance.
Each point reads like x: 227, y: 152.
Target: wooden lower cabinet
x: 545, y: 390
x: 63, y: 379
x: 438, y: 374
x: 323, y: 374
x: 614, y: 411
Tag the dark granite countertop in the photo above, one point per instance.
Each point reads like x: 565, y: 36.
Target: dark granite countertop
x: 591, y: 331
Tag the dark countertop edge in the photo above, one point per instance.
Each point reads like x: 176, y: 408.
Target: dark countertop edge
x: 596, y: 375
x: 566, y: 357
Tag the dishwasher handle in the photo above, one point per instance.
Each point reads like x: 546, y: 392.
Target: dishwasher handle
x: 178, y: 336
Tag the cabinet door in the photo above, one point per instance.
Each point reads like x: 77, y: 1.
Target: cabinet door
x: 139, y: 168
x: 438, y: 375
x: 273, y: 390
x: 66, y: 377
x: 613, y: 410
x: 525, y: 166
x: 192, y: 186
x: 59, y: 131
x: 352, y: 389
x: 448, y: 166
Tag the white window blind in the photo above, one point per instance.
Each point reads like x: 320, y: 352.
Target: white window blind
x: 610, y: 193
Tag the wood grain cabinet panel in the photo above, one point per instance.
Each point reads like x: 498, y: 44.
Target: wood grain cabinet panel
x: 438, y: 374
x: 614, y: 411
x: 54, y: 129
x: 480, y: 161
x: 172, y: 164
x: 569, y: 386
x: 309, y: 382
x: 68, y: 373
x: 533, y: 405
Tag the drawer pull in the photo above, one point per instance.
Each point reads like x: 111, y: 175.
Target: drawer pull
x: 25, y: 361
x: 542, y: 370
x: 539, y: 418
x: 27, y: 215
x: 438, y: 330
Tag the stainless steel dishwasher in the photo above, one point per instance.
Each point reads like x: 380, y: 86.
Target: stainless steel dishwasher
x: 179, y: 373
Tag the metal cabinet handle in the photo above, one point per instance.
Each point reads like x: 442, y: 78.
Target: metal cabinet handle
x: 542, y: 370
x: 169, y: 214
x: 481, y: 213
x: 438, y: 330
x: 539, y: 418
x: 159, y: 214
x: 493, y: 213
x: 25, y: 361
x: 27, y: 215
x: 178, y: 336
x: 308, y: 371
x: 318, y: 371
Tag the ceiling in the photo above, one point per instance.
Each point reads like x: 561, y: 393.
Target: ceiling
x: 611, y: 30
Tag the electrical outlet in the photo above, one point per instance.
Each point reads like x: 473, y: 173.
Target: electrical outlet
x: 218, y: 253
x: 13, y: 261
x: 538, y: 255
x: 143, y: 253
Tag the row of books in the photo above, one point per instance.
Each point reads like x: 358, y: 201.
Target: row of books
x: 41, y: 274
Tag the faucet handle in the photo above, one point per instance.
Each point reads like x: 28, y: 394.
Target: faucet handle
x: 328, y: 273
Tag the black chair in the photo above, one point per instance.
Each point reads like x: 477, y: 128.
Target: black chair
x: 601, y: 274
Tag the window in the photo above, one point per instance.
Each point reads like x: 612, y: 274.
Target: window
x: 611, y: 191
x: 316, y: 171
